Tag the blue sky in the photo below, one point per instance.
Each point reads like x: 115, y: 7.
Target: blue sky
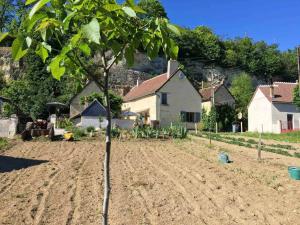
x: 274, y: 21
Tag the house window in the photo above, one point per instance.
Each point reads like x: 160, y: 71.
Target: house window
x: 190, y: 117
x: 164, y: 99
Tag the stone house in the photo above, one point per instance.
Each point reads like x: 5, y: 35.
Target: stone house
x: 165, y: 99
x: 271, y: 109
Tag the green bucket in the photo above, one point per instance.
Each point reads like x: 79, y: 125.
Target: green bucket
x: 294, y: 172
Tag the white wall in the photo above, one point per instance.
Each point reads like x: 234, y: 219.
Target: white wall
x: 141, y: 105
x: 182, y: 96
x: 8, y: 127
x: 260, y: 113
x: 124, y: 124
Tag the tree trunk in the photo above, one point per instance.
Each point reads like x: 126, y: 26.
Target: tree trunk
x: 107, y: 152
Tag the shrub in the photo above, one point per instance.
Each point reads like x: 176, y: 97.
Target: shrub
x: 297, y: 154
x: 77, y: 132
x: 65, y: 123
x: 90, y: 129
x: 115, y: 132
x: 252, y: 141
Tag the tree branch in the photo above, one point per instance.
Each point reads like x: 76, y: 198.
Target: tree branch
x: 115, y: 58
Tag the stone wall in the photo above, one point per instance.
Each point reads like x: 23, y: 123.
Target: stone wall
x: 145, y: 69
x: 7, y: 65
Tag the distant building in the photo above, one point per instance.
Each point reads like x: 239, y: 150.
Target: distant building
x: 272, y: 110
x: 76, y: 106
x: 165, y: 99
x: 91, y: 116
x: 219, y: 94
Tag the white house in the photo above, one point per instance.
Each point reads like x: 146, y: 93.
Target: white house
x: 165, y: 99
x: 272, y: 110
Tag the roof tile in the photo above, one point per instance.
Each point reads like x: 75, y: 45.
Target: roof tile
x: 147, y: 87
x: 283, y: 92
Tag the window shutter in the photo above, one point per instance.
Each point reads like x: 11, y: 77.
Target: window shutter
x: 183, y: 116
x: 197, y: 117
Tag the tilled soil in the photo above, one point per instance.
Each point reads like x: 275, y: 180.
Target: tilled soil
x: 153, y: 182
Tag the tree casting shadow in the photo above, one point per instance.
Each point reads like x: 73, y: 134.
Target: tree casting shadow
x: 8, y: 163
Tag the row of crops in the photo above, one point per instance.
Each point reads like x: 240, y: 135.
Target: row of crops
x: 281, y: 149
x: 175, y: 132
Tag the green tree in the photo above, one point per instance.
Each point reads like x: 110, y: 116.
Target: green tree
x: 296, y: 96
x: 242, y: 89
x: 87, y: 29
x: 225, y: 117
x: 11, y: 14
x: 153, y: 8
x: 30, y: 93
x: 289, y: 65
x: 200, y: 43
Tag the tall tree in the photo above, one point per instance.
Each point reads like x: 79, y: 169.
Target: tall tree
x: 242, y: 89
x: 11, y: 14
x: 89, y: 28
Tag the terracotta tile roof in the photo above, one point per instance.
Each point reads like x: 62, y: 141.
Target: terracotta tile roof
x: 206, y: 92
x: 148, y: 87
x: 283, y: 92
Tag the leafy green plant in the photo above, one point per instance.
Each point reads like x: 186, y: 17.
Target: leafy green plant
x: 90, y: 129
x: 115, y: 132
x: 65, y: 123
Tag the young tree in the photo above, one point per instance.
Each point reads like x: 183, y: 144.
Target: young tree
x: 87, y: 29
x: 242, y: 89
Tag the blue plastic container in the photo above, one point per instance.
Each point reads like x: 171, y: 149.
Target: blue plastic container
x: 294, y: 172
x: 224, y: 158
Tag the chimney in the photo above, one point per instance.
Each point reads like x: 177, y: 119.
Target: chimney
x: 272, y: 91
x: 172, y: 67
x: 138, y: 82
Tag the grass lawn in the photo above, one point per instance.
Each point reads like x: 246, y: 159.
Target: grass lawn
x: 293, y: 137
x: 3, y: 144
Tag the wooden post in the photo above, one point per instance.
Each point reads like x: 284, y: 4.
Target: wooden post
x: 216, y: 127
x: 196, y: 128
x: 259, y: 146
x: 241, y: 126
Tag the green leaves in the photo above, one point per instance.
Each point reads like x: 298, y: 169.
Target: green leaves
x: 37, y: 7
x: 42, y: 52
x: 92, y: 31
x: 129, y: 11
x: 173, y: 29
x: 17, y: 49
x: 173, y: 49
x: 85, y: 49
x: 3, y: 36
x: 55, y: 68
x: 28, y: 2
x: 112, y: 7
x: 129, y: 55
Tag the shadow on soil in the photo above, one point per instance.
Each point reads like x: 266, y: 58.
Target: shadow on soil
x: 8, y: 163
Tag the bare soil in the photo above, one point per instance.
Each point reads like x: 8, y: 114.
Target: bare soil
x: 153, y: 182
